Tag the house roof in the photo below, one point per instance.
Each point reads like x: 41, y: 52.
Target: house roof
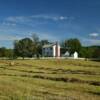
x: 48, y: 45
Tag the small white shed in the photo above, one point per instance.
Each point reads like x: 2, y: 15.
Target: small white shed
x: 75, y: 55
x: 67, y: 54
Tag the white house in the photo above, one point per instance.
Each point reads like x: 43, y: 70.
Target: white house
x: 51, y: 50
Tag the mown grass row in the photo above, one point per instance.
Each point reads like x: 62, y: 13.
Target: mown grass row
x: 49, y: 79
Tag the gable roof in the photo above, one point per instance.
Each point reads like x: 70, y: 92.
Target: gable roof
x: 48, y: 45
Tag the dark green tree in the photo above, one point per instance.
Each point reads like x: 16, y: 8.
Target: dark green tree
x: 23, y: 47
x: 9, y: 53
x: 44, y: 42
x: 96, y: 53
x: 73, y: 45
x: 2, y: 52
x: 36, y: 45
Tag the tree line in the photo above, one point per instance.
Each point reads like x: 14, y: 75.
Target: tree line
x: 32, y: 47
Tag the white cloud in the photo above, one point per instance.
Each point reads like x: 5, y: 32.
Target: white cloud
x: 20, y: 19
x: 8, y: 24
x: 47, y: 17
x: 17, y: 19
x: 62, y: 18
x: 94, y: 34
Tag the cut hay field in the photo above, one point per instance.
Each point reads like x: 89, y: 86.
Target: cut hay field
x: 49, y: 80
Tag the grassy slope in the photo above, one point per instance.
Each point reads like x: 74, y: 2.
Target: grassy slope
x: 49, y: 80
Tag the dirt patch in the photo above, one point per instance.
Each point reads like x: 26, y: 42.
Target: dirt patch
x: 53, y: 71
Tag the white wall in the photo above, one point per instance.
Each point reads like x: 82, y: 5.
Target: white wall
x: 54, y: 49
x: 47, y: 51
x: 75, y: 55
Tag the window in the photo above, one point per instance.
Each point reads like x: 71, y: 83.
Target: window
x: 51, y: 48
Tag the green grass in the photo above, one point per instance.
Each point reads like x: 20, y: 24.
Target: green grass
x: 49, y: 80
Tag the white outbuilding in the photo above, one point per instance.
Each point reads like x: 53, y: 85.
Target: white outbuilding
x: 75, y: 55
x: 67, y: 54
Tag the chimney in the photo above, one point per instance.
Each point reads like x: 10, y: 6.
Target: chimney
x: 57, y: 50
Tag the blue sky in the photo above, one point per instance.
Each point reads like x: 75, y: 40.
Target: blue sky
x: 54, y: 20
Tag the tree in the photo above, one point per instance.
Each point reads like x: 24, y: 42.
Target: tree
x: 44, y: 42
x: 86, y: 52
x: 73, y: 45
x: 2, y: 52
x: 96, y: 53
x: 9, y: 53
x: 28, y: 47
x: 35, y: 38
x: 63, y: 48
x: 36, y: 45
x: 23, y: 47
x: 90, y: 52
